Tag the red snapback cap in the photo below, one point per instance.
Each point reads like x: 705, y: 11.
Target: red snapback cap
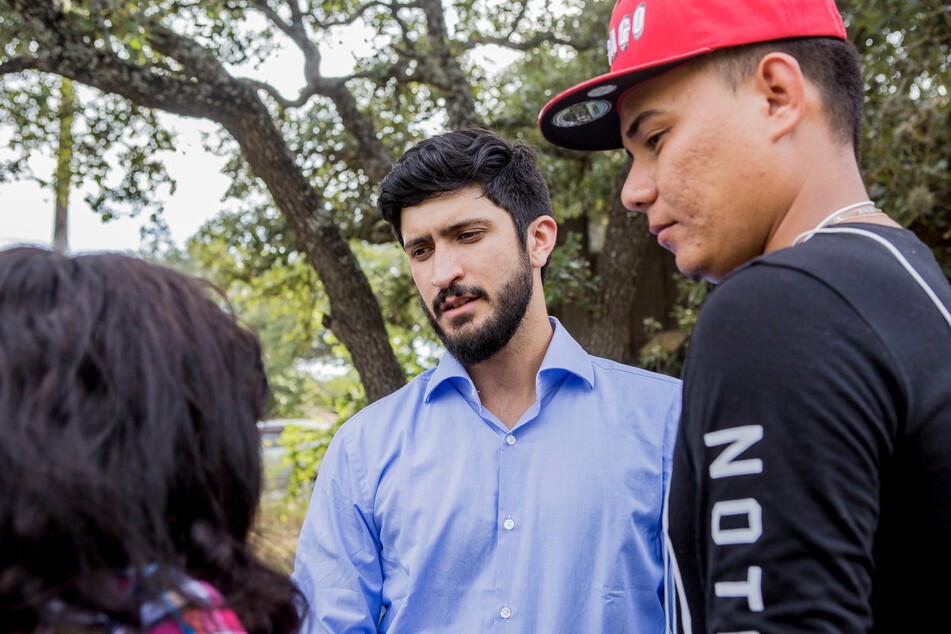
x: 648, y: 37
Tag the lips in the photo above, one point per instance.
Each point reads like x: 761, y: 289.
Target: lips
x: 454, y: 298
x: 455, y: 302
x: 661, y: 230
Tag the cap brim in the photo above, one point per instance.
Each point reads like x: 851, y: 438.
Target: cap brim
x: 587, y: 116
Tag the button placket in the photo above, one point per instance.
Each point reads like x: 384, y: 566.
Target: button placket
x: 509, y: 499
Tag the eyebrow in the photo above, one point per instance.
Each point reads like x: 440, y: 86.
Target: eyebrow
x: 638, y: 120
x: 445, y: 231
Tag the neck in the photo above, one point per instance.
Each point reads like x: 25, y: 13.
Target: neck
x: 827, y: 186
x: 506, y: 382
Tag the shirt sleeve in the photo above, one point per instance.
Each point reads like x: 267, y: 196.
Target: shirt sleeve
x: 789, y: 411
x: 672, y: 424
x: 338, y: 567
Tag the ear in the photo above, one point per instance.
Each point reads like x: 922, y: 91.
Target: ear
x: 540, y: 240
x: 780, y: 80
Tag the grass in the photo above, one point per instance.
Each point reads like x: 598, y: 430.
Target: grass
x: 276, y: 529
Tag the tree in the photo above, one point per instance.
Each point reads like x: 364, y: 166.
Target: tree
x: 63, y: 177
x: 122, y: 49
x: 306, y: 165
x: 319, y: 153
x: 906, y: 56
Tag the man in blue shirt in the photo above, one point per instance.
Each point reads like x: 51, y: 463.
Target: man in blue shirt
x: 518, y: 485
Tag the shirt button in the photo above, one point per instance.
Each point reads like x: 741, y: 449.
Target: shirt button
x: 505, y: 612
x: 509, y: 524
x: 510, y: 439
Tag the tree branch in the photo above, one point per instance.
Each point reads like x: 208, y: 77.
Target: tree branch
x: 17, y: 64
x: 442, y: 69
x: 297, y: 31
x: 352, y: 17
x: 372, y: 155
x: 296, y: 14
x: 518, y: 19
x: 282, y: 101
x: 191, y: 55
x: 530, y: 43
x: 233, y: 103
x: 63, y: 51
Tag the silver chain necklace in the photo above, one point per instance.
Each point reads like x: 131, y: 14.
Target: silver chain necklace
x: 863, y: 208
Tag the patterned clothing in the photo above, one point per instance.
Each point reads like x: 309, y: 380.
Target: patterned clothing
x: 174, y: 613
x: 192, y: 607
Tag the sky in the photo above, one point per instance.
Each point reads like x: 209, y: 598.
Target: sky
x: 26, y: 210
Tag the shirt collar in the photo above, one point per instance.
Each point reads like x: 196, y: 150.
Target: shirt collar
x: 564, y: 355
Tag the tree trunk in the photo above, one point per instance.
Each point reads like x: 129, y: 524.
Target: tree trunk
x: 608, y: 335
x: 63, y: 177
x: 355, y: 316
x: 211, y: 93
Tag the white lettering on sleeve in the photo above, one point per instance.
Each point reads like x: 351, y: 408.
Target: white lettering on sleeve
x: 742, y: 535
x: 740, y: 439
x: 751, y: 588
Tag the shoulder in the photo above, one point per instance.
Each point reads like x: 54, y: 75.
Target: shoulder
x: 622, y: 372
x: 388, y: 413
x: 835, y: 276
x: 634, y: 397
x: 613, y: 371
x: 799, y: 316
x: 768, y: 289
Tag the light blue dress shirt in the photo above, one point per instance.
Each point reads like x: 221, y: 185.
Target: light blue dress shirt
x: 429, y: 515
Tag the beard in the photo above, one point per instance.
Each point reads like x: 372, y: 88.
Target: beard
x: 481, y: 343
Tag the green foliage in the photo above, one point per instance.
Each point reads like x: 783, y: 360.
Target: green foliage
x: 304, y: 449
x: 252, y: 253
x: 570, y: 279
x: 116, y: 150
x: 690, y: 297
x: 906, y: 56
x: 666, y: 352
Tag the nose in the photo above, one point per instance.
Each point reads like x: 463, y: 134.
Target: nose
x: 640, y: 190
x: 446, y: 268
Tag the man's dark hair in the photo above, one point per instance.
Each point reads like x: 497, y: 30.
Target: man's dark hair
x: 505, y: 172
x: 129, y: 449
x: 830, y: 63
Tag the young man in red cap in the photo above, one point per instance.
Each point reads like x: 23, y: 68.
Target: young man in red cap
x: 810, y: 489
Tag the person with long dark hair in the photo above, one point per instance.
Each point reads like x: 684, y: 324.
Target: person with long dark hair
x: 130, y: 464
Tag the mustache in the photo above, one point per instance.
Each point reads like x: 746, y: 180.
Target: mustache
x: 455, y: 290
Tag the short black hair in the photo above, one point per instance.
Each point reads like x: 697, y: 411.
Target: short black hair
x: 832, y: 64
x: 505, y: 172
x: 129, y: 397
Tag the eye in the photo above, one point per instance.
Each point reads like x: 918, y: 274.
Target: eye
x: 417, y: 253
x: 470, y: 235
x: 653, y: 141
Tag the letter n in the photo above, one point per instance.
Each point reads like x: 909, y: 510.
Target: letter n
x: 740, y: 439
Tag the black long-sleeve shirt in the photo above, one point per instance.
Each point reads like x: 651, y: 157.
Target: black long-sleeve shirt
x: 811, y: 486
